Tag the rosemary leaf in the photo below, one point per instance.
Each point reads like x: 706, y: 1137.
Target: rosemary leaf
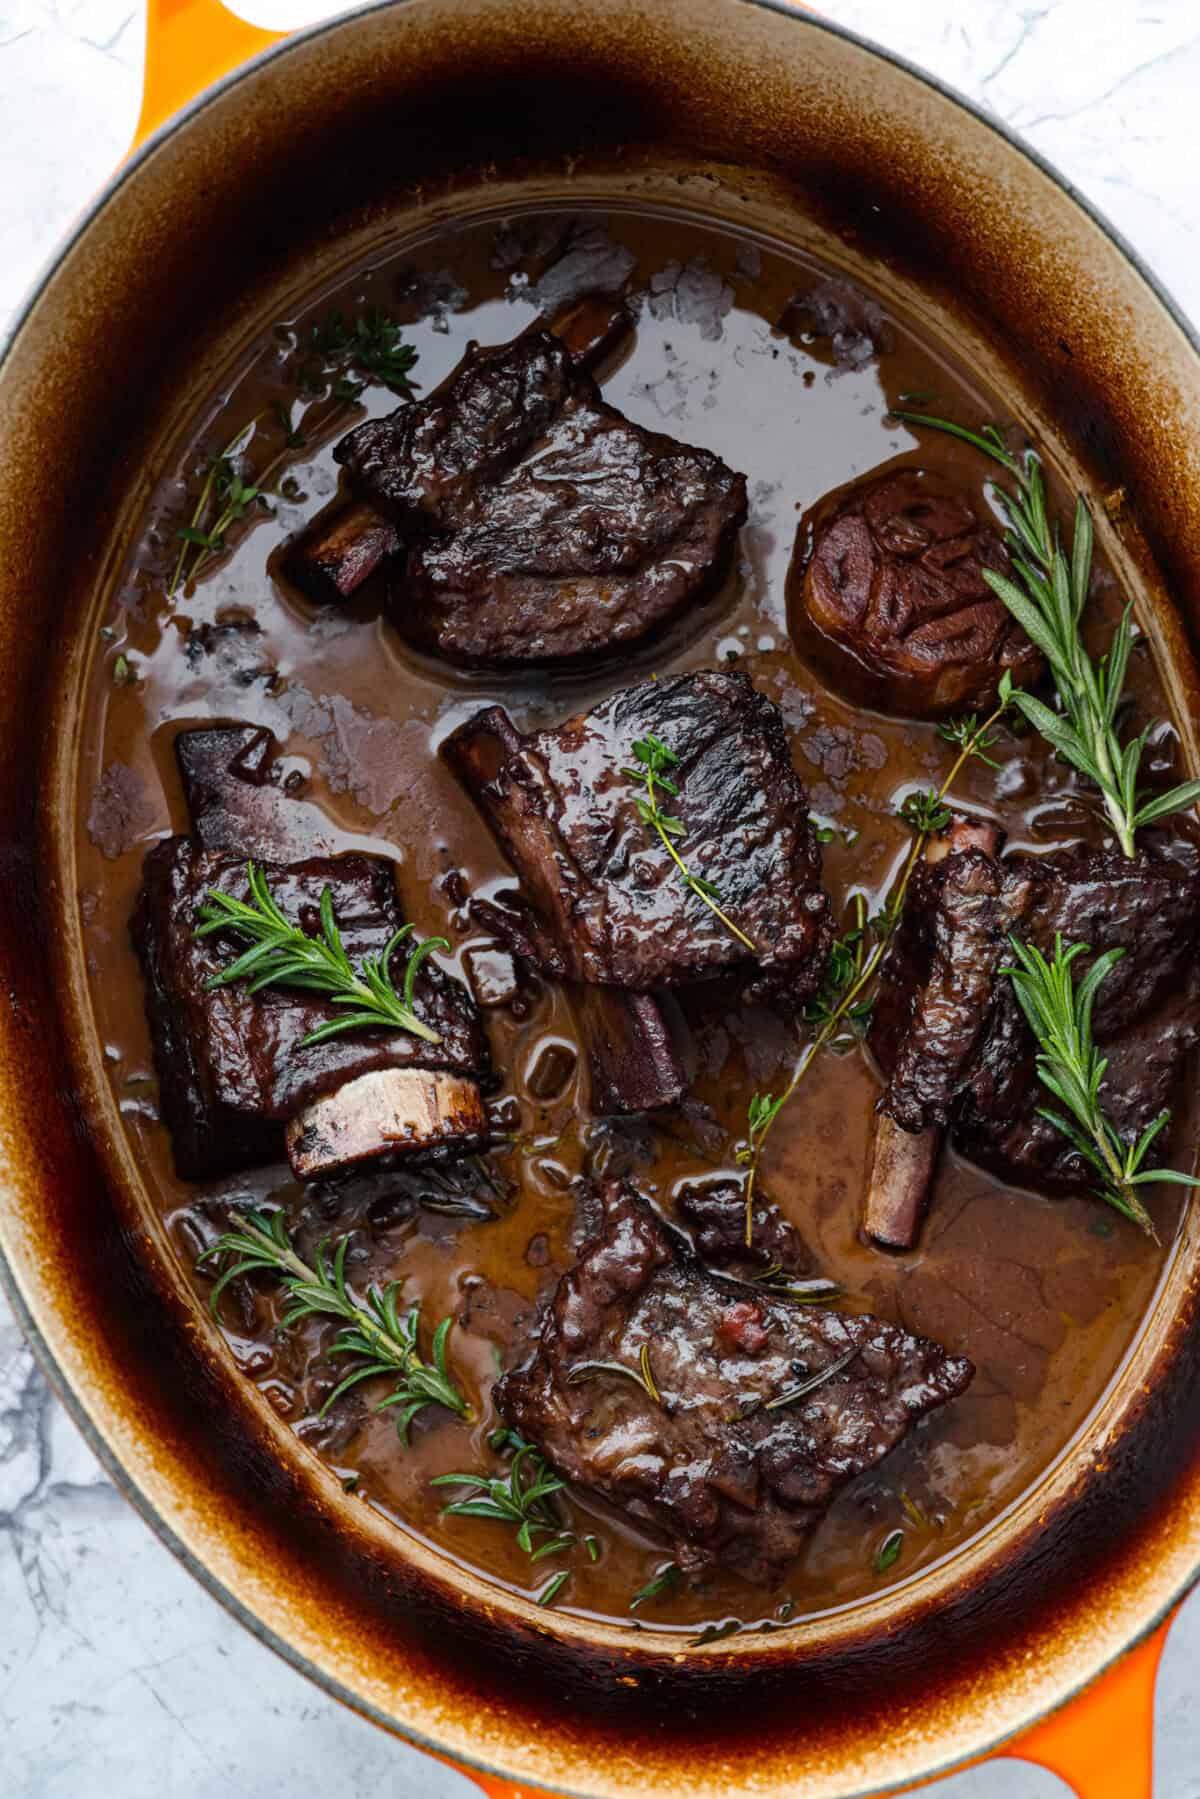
x: 376, y: 1334
x: 667, y: 1576
x: 1070, y: 1065
x: 641, y: 1375
x: 790, y: 1395
x: 888, y: 1552
x: 554, y: 1587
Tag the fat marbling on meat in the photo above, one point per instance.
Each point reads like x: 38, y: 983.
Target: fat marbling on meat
x: 764, y: 1407
x: 237, y: 1085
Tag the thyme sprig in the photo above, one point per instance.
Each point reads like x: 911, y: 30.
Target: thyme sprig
x: 654, y: 758
x: 370, y: 344
x: 851, y: 970
x: 1071, y: 1066
x: 846, y: 957
x: 1048, y: 600
x: 283, y: 955
x: 524, y: 1497
x: 384, y: 1340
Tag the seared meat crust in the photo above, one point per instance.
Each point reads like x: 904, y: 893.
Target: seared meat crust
x: 715, y: 1465
x: 604, y: 903
x: 541, y: 524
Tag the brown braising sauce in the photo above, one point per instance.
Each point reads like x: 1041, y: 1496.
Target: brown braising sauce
x: 1045, y: 1296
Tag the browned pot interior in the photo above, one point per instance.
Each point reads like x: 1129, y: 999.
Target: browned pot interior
x: 349, y: 138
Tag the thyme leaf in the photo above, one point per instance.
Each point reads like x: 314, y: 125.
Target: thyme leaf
x: 653, y: 758
x: 372, y: 344
x: 382, y: 1340
x: 1048, y: 599
x: 280, y: 954
x: 1070, y: 1064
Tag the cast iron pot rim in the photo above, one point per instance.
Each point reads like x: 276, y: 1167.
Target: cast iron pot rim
x: 108, y: 1458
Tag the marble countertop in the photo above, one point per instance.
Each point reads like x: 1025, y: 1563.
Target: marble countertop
x: 118, y: 1673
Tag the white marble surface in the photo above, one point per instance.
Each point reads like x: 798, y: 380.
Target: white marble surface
x: 118, y: 1674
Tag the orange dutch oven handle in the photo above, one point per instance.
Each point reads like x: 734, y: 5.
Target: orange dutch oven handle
x: 1100, y: 1744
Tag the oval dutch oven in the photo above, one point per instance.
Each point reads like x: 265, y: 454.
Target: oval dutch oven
x: 334, y: 140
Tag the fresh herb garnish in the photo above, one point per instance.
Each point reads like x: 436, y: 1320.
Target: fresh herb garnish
x: 123, y: 672
x: 383, y: 1339
x: 653, y: 758
x: 643, y: 1374
x: 924, y: 812
x: 888, y: 1552
x: 370, y: 344
x: 912, y: 1510
x: 282, y: 955
x: 522, y: 1497
x: 842, y: 970
x: 1071, y: 1066
x: 843, y: 998
x: 1048, y: 600
x: 225, y: 491
x: 966, y: 730
x: 668, y: 1576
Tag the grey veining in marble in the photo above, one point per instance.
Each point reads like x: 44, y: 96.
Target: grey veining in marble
x: 119, y: 1676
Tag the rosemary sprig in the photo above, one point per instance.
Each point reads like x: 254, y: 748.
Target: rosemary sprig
x: 1048, y: 601
x: 282, y: 955
x: 847, y: 960
x: 384, y: 1340
x: 522, y: 1497
x: 1071, y: 1066
x: 653, y: 758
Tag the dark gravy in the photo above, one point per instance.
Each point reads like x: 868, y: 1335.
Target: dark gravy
x: 1046, y: 1297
